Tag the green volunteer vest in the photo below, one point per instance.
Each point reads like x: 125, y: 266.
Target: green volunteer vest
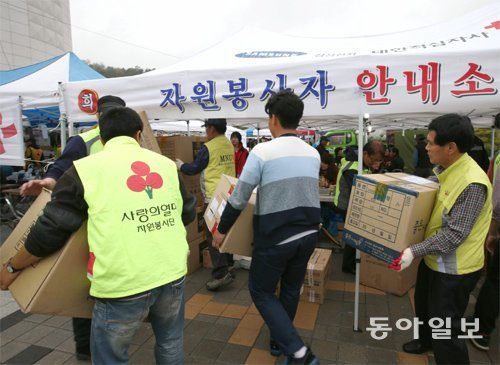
x: 221, y: 161
x: 92, y: 141
x: 469, y: 256
x: 136, y: 237
x: 344, y: 165
x: 495, y: 166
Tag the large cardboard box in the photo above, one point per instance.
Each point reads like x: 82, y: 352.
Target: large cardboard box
x: 194, y: 258
x: 207, y: 260
x: 376, y: 274
x: 239, y: 239
x: 318, y: 268
x: 313, y: 294
x: 58, y: 283
x: 185, y: 148
x: 196, y: 229
x: 387, y: 213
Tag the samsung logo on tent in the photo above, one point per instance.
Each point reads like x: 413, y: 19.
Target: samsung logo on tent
x: 269, y: 54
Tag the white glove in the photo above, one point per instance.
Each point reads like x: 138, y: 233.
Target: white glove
x: 178, y: 163
x: 403, y: 261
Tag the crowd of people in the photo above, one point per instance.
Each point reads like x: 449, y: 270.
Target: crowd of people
x: 133, y: 282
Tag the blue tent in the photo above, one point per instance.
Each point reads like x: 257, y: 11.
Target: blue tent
x: 37, y: 85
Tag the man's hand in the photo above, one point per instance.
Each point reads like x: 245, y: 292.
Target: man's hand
x: 218, y: 238
x: 403, y: 261
x: 34, y: 187
x: 6, y: 278
x: 179, y: 163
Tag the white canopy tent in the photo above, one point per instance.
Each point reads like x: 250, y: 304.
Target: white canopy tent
x: 401, y: 79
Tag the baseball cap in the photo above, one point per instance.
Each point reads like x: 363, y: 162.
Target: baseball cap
x: 216, y: 122
x: 324, y: 138
x: 109, y: 101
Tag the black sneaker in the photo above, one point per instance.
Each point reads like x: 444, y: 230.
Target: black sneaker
x: 274, y: 348
x: 216, y: 284
x: 482, y: 343
x: 308, y: 359
x: 80, y: 356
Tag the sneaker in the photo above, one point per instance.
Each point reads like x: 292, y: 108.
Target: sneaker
x: 215, y: 284
x: 274, y: 348
x: 482, y: 343
x: 80, y: 356
x: 308, y: 359
x: 232, y: 270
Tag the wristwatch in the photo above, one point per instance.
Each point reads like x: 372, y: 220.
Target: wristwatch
x: 11, y: 269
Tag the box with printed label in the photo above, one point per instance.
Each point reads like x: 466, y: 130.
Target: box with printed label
x: 318, y: 268
x: 387, y: 213
x: 313, y: 294
x: 376, y: 274
x: 58, y: 283
x: 240, y: 237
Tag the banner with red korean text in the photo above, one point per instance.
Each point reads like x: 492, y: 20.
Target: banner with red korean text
x: 11, y: 133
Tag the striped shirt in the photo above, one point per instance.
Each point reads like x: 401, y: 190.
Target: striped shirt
x: 459, y: 222
x: 285, y: 172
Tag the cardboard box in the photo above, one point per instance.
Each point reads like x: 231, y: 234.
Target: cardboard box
x: 57, y: 284
x: 318, y: 268
x: 207, y: 260
x: 375, y: 273
x: 313, y: 294
x: 239, y: 239
x: 196, y: 229
x: 387, y: 213
x: 148, y: 139
x: 194, y: 258
x: 185, y: 148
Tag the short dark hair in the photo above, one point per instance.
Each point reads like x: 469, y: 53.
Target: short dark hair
x: 337, y: 149
x: 287, y: 107
x: 453, y: 128
x: 119, y: 121
x: 109, y: 101
x: 373, y: 147
x: 237, y: 135
x: 391, y: 148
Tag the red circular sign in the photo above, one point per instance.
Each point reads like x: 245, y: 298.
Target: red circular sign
x: 87, y: 101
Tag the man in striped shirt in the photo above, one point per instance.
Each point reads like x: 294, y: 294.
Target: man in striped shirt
x: 286, y: 220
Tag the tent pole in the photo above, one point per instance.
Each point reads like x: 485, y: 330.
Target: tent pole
x: 493, y: 141
x: 361, y: 134
x: 62, y: 118
x: 188, y: 130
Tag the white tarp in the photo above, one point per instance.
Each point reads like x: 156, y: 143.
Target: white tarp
x: 401, y: 79
x: 11, y: 133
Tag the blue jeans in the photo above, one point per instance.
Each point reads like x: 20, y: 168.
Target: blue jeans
x: 288, y: 263
x: 115, y: 322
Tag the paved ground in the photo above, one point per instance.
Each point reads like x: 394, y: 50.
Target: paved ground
x: 225, y: 328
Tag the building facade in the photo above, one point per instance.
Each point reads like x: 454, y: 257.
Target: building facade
x: 32, y: 31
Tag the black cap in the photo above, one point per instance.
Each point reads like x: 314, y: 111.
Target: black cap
x: 324, y: 138
x: 216, y: 122
x: 109, y: 101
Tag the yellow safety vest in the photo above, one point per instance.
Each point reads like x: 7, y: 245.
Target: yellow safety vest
x: 92, y: 141
x: 136, y: 237
x: 220, y: 161
x: 344, y: 165
x: 469, y: 256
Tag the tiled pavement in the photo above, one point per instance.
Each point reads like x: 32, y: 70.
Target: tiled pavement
x: 225, y: 328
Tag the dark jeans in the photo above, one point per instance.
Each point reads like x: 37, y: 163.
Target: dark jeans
x: 288, y: 263
x: 81, y: 332
x: 220, y: 261
x: 487, y: 305
x: 443, y: 296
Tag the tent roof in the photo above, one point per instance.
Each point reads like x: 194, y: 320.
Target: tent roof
x: 414, y: 76
x: 37, y: 84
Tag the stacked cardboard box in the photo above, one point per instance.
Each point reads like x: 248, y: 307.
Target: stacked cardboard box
x: 387, y: 213
x: 240, y: 237
x: 58, y: 284
x: 376, y: 274
x: 318, y: 269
